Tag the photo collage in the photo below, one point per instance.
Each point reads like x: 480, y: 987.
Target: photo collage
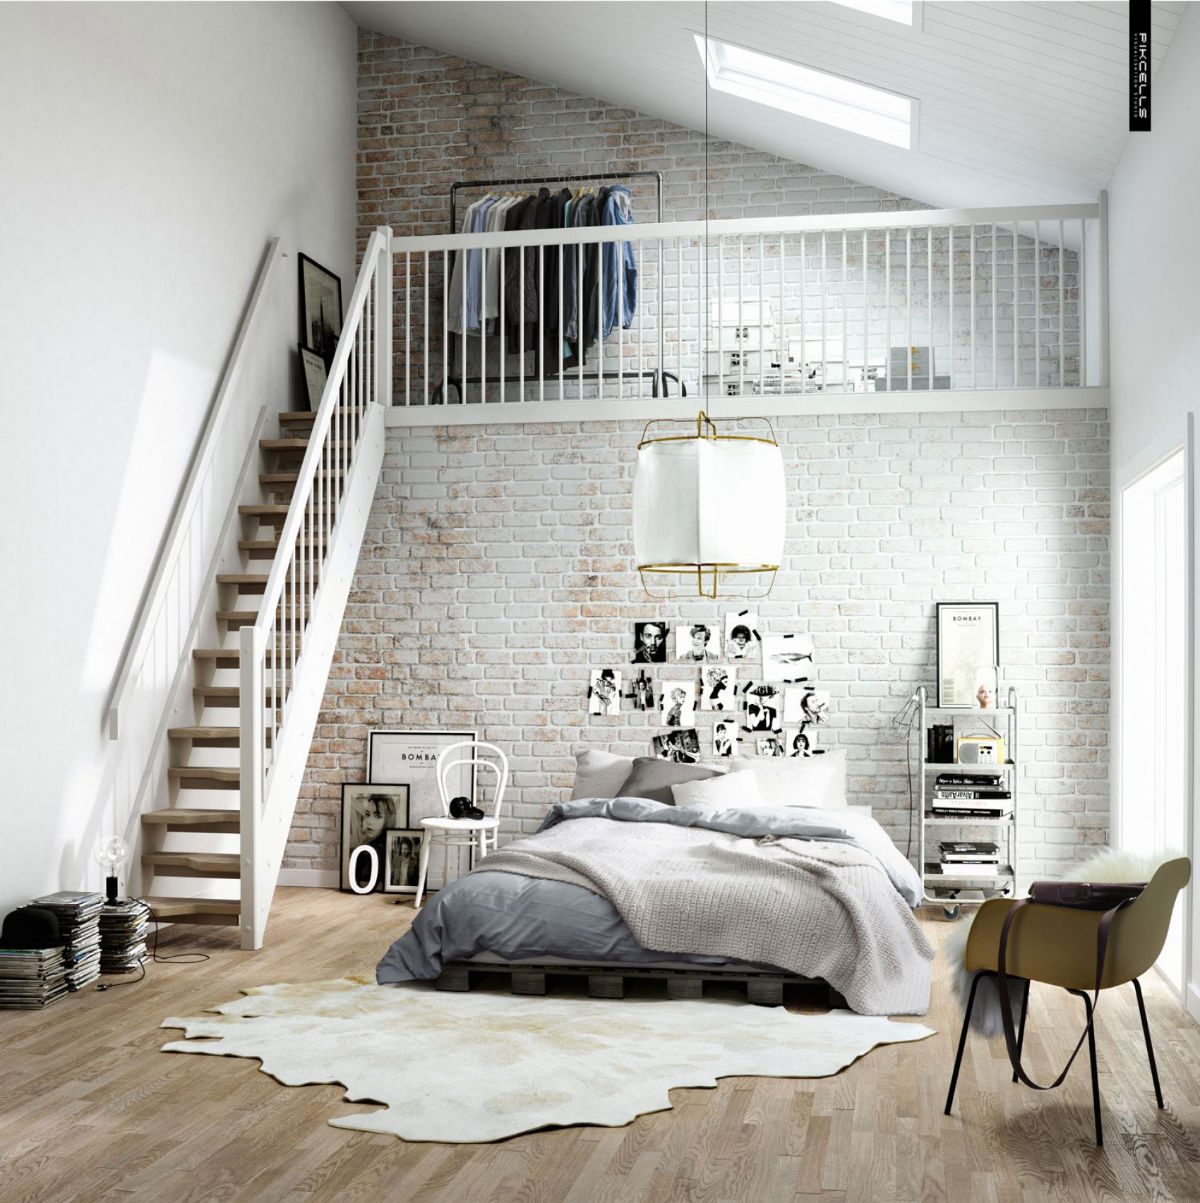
x: 758, y: 686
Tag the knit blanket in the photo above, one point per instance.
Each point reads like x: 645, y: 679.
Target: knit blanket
x: 794, y: 889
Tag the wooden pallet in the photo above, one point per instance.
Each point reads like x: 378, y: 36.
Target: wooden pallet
x: 763, y: 988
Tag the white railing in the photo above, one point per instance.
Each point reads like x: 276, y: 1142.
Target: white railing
x: 920, y: 300
x: 163, y: 636
x: 285, y: 655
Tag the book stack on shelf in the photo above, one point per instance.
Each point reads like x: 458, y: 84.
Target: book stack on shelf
x: 972, y: 796
x: 78, y: 917
x: 968, y: 858
x: 123, y: 935
x: 31, y: 977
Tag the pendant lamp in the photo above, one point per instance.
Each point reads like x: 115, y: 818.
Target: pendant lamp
x: 709, y: 507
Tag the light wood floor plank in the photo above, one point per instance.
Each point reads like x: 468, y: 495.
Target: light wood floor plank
x: 92, y: 1109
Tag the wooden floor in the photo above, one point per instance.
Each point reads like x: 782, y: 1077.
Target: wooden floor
x: 91, y: 1109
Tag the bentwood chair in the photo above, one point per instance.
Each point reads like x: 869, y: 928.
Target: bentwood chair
x: 448, y: 832
x: 1057, y: 945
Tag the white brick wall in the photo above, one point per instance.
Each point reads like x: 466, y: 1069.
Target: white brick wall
x: 497, y: 569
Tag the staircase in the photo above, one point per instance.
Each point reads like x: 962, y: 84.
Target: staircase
x: 234, y: 770
x: 201, y: 760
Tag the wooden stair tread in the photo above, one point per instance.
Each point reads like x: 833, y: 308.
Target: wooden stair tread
x: 273, y: 544
x: 183, y: 910
x: 192, y: 816
x: 293, y: 445
x: 216, y: 864
x: 290, y: 478
x: 232, y: 656
x: 297, y: 417
x: 242, y: 578
x: 205, y: 772
x: 260, y: 510
x: 229, y: 736
x: 222, y: 691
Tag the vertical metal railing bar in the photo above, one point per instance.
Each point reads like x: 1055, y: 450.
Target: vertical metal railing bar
x: 540, y: 347
x: 865, y: 315
x: 462, y: 338
x: 824, y: 286
x: 908, y: 302
x: 742, y: 324
x: 950, y: 273
x: 1016, y: 280
x: 762, y: 306
x: 520, y: 327
x: 502, y: 331
x: 599, y: 320
x: 445, y: 334
x: 803, y: 316
x: 408, y: 327
x: 845, y: 315
x: 426, y: 289
x: 1080, y: 283
x: 721, y: 315
x: 995, y: 328
x: 971, y: 300
x: 619, y: 288
x: 887, y: 305
x: 929, y: 299
x: 678, y: 309
x: 640, y: 314
x: 783, y: 315
x: 579, y: 318
x: 1037, y: 304
x: 1062, y: 309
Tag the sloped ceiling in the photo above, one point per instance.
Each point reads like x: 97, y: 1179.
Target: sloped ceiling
x: 1019, y: 103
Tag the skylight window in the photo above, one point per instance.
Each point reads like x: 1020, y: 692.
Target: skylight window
x: 890, y: 10
x: 816, y: 95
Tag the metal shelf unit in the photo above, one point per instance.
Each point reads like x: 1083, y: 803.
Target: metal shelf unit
x: 946, y: 889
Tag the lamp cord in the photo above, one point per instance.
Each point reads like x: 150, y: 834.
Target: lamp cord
x: 181, y: 958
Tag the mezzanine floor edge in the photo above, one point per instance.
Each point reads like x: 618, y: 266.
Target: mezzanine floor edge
x: 93, y: 1110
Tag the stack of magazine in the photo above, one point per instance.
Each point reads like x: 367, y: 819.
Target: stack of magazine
x: 968, y: 858
x: 78, y: 917
x: 972, y: 795
x: 123, y: 935
x: 31, y: 977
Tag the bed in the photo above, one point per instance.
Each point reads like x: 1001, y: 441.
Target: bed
x: 707, y: 876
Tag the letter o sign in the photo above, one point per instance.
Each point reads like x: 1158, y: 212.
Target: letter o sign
x: 373, y: 857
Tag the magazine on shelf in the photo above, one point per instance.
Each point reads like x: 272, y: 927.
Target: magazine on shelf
x: 968, y: 851
x: 973, y: 780
x: 957, y: 810
x: 971, y: 795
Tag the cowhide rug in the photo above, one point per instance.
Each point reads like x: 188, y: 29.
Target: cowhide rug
x: 482, y: 1066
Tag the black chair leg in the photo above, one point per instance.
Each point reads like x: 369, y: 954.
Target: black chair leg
x: 1087, y: 1003
x: 1021, y: 1030
x: 1149, y: 1046
x: 962, y: 1040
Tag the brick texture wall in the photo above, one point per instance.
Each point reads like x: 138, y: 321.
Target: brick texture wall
x: 497, y: 570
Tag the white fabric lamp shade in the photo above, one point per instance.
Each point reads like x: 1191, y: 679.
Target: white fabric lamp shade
x: 709, y: 502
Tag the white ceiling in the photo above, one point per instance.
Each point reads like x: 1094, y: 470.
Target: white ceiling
x: 1020, y: 102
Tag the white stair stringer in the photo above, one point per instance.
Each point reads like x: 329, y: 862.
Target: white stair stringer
x: 267, y: 809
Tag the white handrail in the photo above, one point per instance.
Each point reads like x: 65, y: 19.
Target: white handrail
x: 809, y: 223
x: 189, y: 498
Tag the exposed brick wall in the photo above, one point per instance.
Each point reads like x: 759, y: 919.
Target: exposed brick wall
x: 497, y: 569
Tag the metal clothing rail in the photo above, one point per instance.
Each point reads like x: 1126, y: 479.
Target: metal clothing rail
x: 655, y: 376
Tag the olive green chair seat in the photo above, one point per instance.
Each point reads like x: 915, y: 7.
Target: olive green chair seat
x: 1057, y: 945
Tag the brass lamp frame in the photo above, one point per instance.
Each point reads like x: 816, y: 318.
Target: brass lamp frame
x: 706, y: 428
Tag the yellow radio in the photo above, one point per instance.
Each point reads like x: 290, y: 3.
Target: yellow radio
x: 980, y: 749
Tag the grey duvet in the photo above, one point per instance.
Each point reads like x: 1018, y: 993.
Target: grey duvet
x: 815, y: 892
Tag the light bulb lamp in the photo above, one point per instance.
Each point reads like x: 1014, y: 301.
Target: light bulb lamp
x: 111, y: 854
x: 709, y: 505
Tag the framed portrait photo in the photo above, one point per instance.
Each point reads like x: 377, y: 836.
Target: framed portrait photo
x: 368, y: 812
x: 320, y: 308
x: 968, y: 653
x: 410, y: 758
x: 402, y: 859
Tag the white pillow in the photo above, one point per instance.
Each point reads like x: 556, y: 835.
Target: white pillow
x: 600, y: 774
x: 726, y: 792
x: 798, y: 780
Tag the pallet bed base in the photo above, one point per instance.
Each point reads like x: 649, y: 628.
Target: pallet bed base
x: 608, y: 981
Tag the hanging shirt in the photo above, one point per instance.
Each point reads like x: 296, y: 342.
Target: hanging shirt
x: 620, y: 264
x: 454, y: 295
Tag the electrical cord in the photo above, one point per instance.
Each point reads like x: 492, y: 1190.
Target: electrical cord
x: 181, y: 958
x: 904, y: 721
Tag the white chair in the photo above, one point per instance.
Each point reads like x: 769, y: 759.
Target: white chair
x: 463, y: 833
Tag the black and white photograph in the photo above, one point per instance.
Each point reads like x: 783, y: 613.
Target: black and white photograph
x: 968, y: 651
x: 698, y: 643
x: 604, y: 692
x: 815, y: 705
x: 725, y: 737
x: 402, y: 860
x: 763, y: 704
x: 320, y: 308
x: 678, y: 703
x: 741, y: 635
x: 769, y: 745
x: 314, y: 376
x: 368, y: 811
x: 641, y: 691
x: 718, y: 687
x: 797, y: 741
x: 681, y: 746
x: 793, y: 704
x: 786, y: 658
x: 649, y: 642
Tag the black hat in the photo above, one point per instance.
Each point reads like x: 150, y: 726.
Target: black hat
x: 30, y: 927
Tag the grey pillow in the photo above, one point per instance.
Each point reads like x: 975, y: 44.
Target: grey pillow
x: 652, y: 778
x: 600, y: 774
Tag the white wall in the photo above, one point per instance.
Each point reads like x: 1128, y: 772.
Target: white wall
x: 150, y: 151
x: 1154, y: 262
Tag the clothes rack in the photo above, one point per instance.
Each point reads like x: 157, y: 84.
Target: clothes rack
x: 657, y: 377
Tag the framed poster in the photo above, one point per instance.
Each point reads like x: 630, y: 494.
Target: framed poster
x: 410, y: 758
x: 968, y: 652
x: 314, y: 376
x: 320, y: 308
x: 402, y: 860
x: 368, y: 811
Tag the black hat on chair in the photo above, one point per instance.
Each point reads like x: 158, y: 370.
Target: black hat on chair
x: 461, y: 808
x: 30, y: 927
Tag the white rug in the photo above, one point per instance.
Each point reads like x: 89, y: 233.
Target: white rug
x: 481, y: 1066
